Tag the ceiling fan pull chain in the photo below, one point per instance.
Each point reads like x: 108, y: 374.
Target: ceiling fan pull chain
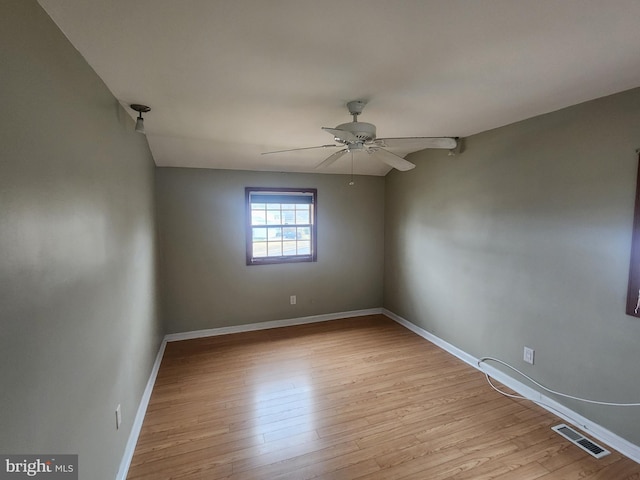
x: 352, y: 183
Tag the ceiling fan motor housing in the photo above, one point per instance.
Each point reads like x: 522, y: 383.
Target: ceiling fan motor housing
x: 365, y: 132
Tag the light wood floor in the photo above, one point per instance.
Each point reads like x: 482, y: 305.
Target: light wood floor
x: 360, y: 398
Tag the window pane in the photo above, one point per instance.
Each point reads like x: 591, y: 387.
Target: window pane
x: 259, y: 249
x: 258, y: 206
x: 304, y: 233
x: 289, y: 248
x: 258, y: 217
x: 275, y: 233
x: 289, y: 233
x: 304, y: 247
x: 274, y: 249
x: 302, y: 216
x: 273, y: 217
x: 259, y: 234
x: 288, y: 217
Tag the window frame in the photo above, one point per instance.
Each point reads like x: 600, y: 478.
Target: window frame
x: 313, y: 226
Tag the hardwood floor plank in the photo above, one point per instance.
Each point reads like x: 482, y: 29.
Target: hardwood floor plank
x: 529, y: 471
x: 304, y: 465
x: 358, y: 398
x: 418, y: 466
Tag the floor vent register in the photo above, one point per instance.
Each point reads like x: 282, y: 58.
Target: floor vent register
x: 584, y: 443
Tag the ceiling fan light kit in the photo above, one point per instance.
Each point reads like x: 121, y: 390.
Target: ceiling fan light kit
x: 358, y: 137
x: 140, y: 121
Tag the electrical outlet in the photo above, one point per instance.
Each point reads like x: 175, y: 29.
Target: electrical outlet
x: 529, y: 354
x: 292, y: 299
x: 118, y: 417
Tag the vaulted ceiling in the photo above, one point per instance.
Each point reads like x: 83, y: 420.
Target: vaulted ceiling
x: 229, y: 79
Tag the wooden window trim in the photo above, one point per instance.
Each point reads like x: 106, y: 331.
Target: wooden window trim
x: 633, y: 287
x: 313, y: 226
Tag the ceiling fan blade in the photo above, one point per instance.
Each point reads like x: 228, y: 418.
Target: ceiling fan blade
x: 343, y: 135
x: 417, y: 143
x: 332, y: 158
x: 392, y: 159
x: 296, y: 149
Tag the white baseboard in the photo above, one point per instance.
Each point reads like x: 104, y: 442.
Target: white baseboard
x: 211, y: 332
x: 125, y: 463
x: 600, y: 433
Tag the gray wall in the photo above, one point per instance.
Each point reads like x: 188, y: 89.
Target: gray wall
x: 524, y: 239
x: 79, y: 330
x: 205, y: 281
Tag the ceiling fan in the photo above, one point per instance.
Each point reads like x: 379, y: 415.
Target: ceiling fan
x: 358, y: 137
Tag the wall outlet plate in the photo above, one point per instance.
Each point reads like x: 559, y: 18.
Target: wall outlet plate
x: 293, y: 299
x: 529, y: 354
x: 118, y: 417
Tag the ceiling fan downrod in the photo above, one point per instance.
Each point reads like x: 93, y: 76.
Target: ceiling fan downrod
x: 355, y: 108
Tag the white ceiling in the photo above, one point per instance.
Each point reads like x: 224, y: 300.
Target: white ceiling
x: 228, y: 79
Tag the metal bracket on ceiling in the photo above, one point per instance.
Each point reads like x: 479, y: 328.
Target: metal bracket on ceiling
x: 458, y: 148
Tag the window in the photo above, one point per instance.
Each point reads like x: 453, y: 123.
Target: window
x: 281, y: 225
